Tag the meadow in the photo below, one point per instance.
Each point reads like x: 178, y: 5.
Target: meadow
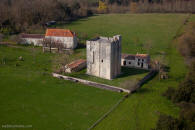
x: 29, y: 95
x: 141, y: 110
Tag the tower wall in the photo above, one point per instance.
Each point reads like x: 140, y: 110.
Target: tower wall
x: 104, y: 57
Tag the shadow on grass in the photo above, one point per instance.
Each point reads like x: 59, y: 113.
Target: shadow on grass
x: 154, y: 75
x: 131, y: 71
x: 143, y: 90
x: 81, y: 46
x: 73, y: 21
x: 124, y: 70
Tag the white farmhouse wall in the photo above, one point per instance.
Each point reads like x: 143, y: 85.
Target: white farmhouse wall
x: 130, y: 63
x: 142, y: 63
x: 33, y: 41
x: 69, y: 42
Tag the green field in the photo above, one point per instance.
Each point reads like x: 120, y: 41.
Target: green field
x: 141, y: 110
x: 29, y: 95
x: 127, y: 74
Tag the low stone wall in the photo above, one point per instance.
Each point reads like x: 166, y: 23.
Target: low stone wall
x: 90, y: 83
x: 142, y: 81
x: 105, y: 86
x: 137, y: 86
x: 112, y: 88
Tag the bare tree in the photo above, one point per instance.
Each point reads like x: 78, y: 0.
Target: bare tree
x: 19, y: 15
x: 59, y: 45
x: 51, y: 43
x: 48, y: 43
x: 1, y: 37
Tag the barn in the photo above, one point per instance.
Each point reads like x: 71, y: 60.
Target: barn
x: 141, y: 61
x: 33, y: 39
x: 64, y: 36
x: 75, y: 66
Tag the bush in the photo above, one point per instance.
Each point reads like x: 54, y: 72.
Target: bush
x: 1, y: 37
x: 186, y: 90
x: 187, y: 115
x: 166, y: 122
x: 15, y: 38
x: 169, y: 93
x: 186, y: 42
x: 185, y: 94
x: 186, y: 120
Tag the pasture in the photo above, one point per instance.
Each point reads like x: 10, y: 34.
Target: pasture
x: 142, y: 33
x: 29, y: 95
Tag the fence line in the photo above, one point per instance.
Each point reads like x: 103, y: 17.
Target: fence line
x: 90, y: 83
x: 108, y: 87
x: 137, y: 86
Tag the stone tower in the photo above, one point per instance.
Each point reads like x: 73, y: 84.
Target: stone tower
x: 104, y: 57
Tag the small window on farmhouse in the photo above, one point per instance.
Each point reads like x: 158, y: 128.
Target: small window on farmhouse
x: 138, y: 63
x: 143, y: 60
x: 129, y: 62
x: 124, y: 62
x: 138, y: 59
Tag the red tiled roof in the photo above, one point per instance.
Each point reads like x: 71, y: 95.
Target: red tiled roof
x: 142, y: 55
x: 36, y: 36
x: 132, y: 56
x: 59, y: 33
x: 76, y: 63
x: 128, y: 56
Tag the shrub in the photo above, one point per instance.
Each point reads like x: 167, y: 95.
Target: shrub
x: 1, y: 37
x: 15, y: 38
x: 166, y: 122
x: 184, y: 122
x: 186, y: 41
x: 184, y: 92
x: 169, y: 93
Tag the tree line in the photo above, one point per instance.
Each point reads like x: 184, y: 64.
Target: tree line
x: 19, y: 15
x: 23, y: 15
x: 184, y: 95
x: 149, y: 6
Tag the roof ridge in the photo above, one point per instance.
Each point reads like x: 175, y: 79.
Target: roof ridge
x: 59, y: 32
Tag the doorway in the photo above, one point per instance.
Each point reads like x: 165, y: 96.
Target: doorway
x: 124, y: 63
x: 142, y: 65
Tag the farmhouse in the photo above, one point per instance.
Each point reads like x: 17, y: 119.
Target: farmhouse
x: 66, y: 37
x: 137, y: 61
x: 35, y: 39
x: 104, y: 57
x: 75, y: 66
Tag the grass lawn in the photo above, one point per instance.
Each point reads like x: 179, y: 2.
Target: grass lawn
x: 31, y: 96
x: 140, y: 110
x: 127, y: 74
x: 142, y: 33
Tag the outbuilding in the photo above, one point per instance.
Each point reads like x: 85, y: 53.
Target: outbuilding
x: 33, y: 39
x: 64, y: 36
x: 137, y: 61
x: 75, y: 66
